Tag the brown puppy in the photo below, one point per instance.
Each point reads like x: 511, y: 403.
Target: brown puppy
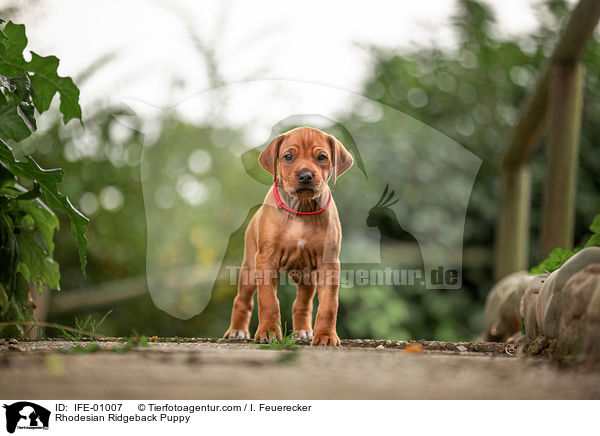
x: 296, y: 230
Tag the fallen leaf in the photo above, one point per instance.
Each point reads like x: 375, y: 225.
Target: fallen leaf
x: 414, y: 348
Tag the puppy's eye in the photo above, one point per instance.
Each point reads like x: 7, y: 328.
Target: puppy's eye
x: 287, y: 157
x: 322, y: 157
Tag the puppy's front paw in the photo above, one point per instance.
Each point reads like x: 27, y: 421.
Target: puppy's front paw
x: 236, y: 334
x: 265, y: 334
x: 304, y: 334
x: 326, y: 338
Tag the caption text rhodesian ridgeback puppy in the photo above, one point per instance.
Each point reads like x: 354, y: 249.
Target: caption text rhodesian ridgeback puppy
x: 296, y: 231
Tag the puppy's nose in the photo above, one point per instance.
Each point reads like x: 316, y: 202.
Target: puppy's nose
x: 305, y: 178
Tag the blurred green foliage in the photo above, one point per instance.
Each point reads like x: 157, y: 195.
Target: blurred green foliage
x: 471, y: 93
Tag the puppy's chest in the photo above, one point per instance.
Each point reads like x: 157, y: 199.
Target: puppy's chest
x: 301, y: 246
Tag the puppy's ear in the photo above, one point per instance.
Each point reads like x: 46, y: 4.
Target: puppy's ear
x: 342, y: 159
x: 268, y: 157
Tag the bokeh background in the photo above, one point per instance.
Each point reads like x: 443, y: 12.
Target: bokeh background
x: 461, y: 67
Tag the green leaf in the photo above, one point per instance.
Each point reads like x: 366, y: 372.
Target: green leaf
x: 594, y: 241
x: 46, y: 83
x: 45, y: 80
x: 22, y: 91
x: 69, y: 99
x: 50, y: 274
x: 21, y: 86
x: 45, y: 221
x: 35, y: 264
x: 12, y: 62
x: 557, y: 257
x: 12, y: 125
x: 48, y: 181
x: 17, y: 113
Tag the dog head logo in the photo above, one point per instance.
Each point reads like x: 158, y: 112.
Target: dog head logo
x: 26, y: 415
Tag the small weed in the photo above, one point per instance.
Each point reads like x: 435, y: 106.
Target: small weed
x: 34, y: 328
x: 84, y: 328
x: 287, y: 341
x: 131, y: 343
x: 289, y: 350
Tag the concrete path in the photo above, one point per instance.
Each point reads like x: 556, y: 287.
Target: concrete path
x: 214, y: 369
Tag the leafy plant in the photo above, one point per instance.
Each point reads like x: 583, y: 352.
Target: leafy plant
x: 558, y: 256
x: 29, y: 195
x: 87, y: 327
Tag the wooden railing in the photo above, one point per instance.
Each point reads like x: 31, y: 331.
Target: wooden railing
x: 555, y: 103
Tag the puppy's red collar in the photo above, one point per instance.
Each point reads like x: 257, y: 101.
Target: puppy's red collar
x: 280, y: 204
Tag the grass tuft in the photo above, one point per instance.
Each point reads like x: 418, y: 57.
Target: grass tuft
x: 287, y: 342
x: 83, y: 328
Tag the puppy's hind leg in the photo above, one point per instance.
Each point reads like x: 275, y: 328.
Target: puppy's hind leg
x: 242, y: 306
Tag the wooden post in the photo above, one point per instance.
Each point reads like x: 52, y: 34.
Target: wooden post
x: 512, y: 244
x: 525, y: 136
x: 564, y: 123
x: 568, y: 50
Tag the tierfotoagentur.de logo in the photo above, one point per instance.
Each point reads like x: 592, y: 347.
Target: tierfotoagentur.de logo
x: 24, y: 415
